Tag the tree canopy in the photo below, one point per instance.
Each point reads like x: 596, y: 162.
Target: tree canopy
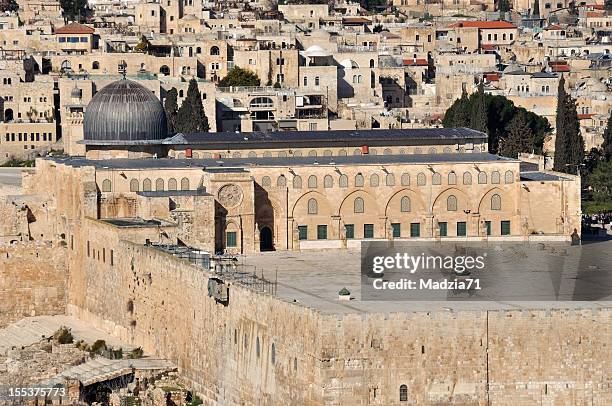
x: 493, y: 114
x: 240, y: 77
x: 74, y: 10
x: 190, y: 117
x: 171, y: 108
x: 607, y: 139
x: 569, y: 145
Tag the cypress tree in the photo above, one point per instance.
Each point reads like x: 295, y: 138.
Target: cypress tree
x: 171, y: 108
x: 519, y: 137
x: 478, y: 119
x: 569, y: 145
x: 191, y: 117
x: 536, y: 8
x: 607, y: 139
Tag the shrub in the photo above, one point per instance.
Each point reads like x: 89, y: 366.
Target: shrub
x: 63, y: 335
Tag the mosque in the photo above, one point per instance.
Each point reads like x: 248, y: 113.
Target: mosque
x: 250, y: 192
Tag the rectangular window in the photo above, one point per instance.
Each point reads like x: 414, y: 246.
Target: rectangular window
x: 112, y: 258
x: 397, y: 230
x: 83, y: 39
x: 505, y: 228
x: 415, y: 229
x: 72, y: 242
x: 349, y: 229
x: 488, y: 227
x: 87, y: 249
x: 230, y: 239
x: 303, y: 232
x: 103, y: 254
x: 312, y: 126
x: 368, y: 231
x: 62, y: 39
x: 461, y: 229
x: 443, y: 228
x: 321, y: 232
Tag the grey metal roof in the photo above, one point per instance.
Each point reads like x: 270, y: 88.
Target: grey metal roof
x: 541, y: 176
x: 170, y: 193
x: 225, y: 163
x: 324, y: 138
x: 124, y: 112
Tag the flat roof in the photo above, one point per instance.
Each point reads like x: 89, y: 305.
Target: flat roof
x: 169, y: 193
x: 541, y: 176
x: 223, y: 164
x: 346, y: 137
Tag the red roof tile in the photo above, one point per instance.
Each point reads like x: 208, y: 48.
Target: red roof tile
x: 560, y: 68
x: 492, y: 77
x: 585, y: 116
x: 75, y: 28
x: 484, y: 24
x: 415, y: 62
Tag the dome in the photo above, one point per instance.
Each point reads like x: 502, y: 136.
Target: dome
x: 124, y: 112
x: 315, y: 51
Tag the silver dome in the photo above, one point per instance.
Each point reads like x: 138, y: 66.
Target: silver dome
x: 124, y: 112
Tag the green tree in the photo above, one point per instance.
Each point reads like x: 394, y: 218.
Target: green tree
x: 536, y: 8
x: 608, y: 5
x: 9, y: 5
x: 606, y: 146
x: 519, y: 137
x: 458, y: 115
x: 503, y: 5
x: 74, y: 10
x: 171, y: 108
x: 190, y: 117
x: 479, y: 119
x: 143, y: 45
x: 569, y: 145
x: 601, y: 182
x: 240, y: 77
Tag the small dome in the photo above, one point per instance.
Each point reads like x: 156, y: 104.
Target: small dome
x: 76, y: 93
x: 349, y: 64
x: 316, y: 50
x: 124, y: 112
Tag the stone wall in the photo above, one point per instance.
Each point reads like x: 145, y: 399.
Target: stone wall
x: 161, y: 303
x: 33, y: 281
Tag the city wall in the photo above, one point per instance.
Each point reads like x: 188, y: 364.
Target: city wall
x: 161, y: 303
x: 33, y: 281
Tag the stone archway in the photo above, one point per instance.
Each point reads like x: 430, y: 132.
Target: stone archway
x: 266, y: 242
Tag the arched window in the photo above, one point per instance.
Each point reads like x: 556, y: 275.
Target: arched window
x: 146, y: 185
x: 317, y: 81
x: 184, y: 184
x: 262, y: 102
x: 282, y: 154
x: 305, y: 80
x: 312, y: 152
x: 447, y: 150
x: 359, y: 180
x: 451, y: 203
x: 134, y: 185
x: 496, y: 202
x: 356, y: 151
x: 252, y: 154
x: 421, y: 179
x: 95, y: 65
x: 198, y: 50
x: 313, y: 207
x: 405, y: 204
x: 405, y: 179
x: 312, y: 181
x: 467, y: 178
x: 452, y: 178
x: 403, y: 393
x: 509, y: 177
x: 342, y: 152
x: 159, y: 184
x: 297, y: 182
x: 265, y: 181
x: 371, y: 63
x: 358, y: 205
x: 281, y: 181
x: 214, y: 50
x: 172, y: 185
x: 328, y: 181
x: 236, y: 155
x: 436, y: 179
x: 482, y: 177
x: 432, y: 151
x: 387, y: 151
x: 106, y: 185
x: 374, y: 180
x: 390, y: 179
x: 495, y: 177
x: 164, y: 70
x: 343, y: 181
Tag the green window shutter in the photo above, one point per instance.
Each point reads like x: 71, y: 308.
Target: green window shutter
x: 303, y: 232
x: 461, y: 229
x: 368, y: 231
x: 231, y: 239
x: 505, y: 228
x: 321, y: 232
x: 397, y: 230
x: 350, y: 230
x: 415, y: 229
x: 443, y: 229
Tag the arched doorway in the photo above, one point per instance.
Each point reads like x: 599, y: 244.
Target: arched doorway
x: 265, y: 239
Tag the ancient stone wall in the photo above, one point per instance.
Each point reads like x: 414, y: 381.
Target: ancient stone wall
x: 155, y: 300
x: 33, y: 280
